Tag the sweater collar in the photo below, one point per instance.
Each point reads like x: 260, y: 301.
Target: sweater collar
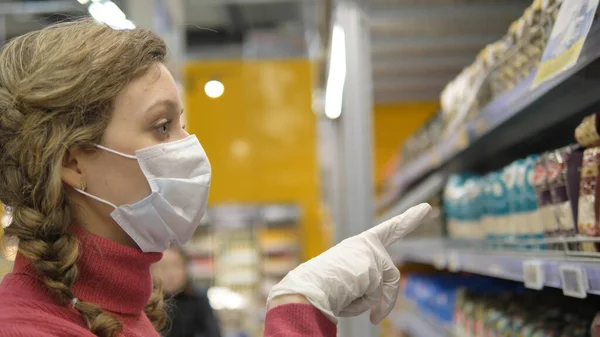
x: 113, y: 276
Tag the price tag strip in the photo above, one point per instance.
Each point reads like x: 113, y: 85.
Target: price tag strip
x: 574, y: 281
x: 453, y: 261
x: 439, y: 262
x: 533, y: 274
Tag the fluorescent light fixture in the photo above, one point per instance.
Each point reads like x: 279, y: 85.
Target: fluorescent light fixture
x: 109, y: 13
x: 334, y: 92
x: 214, y: 89
x: 83, y: 2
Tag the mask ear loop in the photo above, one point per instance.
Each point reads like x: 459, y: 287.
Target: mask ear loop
x: 96, y: 198
x: 83, y: 185
x: 116, y: 152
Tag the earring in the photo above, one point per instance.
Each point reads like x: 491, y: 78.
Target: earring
x: 82, y: 185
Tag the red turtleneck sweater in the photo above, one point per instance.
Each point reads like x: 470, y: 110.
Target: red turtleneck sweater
x: 118, y: 279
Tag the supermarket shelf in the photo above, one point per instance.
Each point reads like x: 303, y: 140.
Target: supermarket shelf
x: 499, y: 263
x: 421, y: 193
x: 539, y: 109
x: 418, y: 325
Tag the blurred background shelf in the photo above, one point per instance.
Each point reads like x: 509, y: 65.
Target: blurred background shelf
x: 419, y: 325
x: 530, y: 117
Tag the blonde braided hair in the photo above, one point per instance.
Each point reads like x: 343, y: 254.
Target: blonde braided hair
x: 57, y: 89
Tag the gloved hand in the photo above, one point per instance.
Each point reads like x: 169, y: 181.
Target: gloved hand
x: 356, y: 275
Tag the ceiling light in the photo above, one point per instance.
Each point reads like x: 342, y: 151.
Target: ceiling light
x: 334, y: 92
x: 109, y: 13
x: 214, y: 89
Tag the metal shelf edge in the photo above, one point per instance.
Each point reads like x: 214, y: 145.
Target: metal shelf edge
x: 499, y: 264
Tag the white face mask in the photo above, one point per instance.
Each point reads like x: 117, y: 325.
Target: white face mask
x: 179, y: 175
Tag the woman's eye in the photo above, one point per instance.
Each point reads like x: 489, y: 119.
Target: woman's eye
x: 163, y: 128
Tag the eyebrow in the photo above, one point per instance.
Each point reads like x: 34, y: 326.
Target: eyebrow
x: 164, y: 102
x: 170, y: 105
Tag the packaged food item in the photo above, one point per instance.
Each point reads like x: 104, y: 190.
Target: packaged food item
x: 487, y: 216
x: 574, y: 161
x: 587, y: 220
x: 529, y: 201
x: 557, y: 181
x: 473, y: 208
x: 546, y: 219
x: 452, y: 195
x: 514, y: 220
x: 499, y: 207
x: 586, y: 133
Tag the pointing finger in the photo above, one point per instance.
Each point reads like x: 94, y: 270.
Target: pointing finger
x: 396, y: 228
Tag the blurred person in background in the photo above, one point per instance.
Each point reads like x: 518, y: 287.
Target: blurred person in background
x: 189, y: 308
x: 101, y: 178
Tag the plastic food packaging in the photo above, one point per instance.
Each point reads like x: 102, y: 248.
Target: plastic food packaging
x: 586, y: 132
x: 473, y: 208
x: 487, y: 216
x: 452, y: 193
x: 587, y: 220
x: 574, y: 162
x: 529, y: 200
x: 557, y: 181
x: 500, y: 207
x: 514, y: 223
x: 546, y: 221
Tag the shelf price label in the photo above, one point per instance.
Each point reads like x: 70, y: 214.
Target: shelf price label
x: 453, y: 261
x: 439, y: 261
x: 574, y: 281
x: 533, y: 274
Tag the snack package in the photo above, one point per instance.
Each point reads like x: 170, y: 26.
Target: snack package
x: 574, y: 162
x: 487, y: 217
x: 529, y: 200
x: 546, y: 219
x: 514, y: 221
x: 499, y: 207
x: 473, y: 208
x: 557, y: 181
x: 452, y: 195
x: 586, y: 132
x: 587, y: 220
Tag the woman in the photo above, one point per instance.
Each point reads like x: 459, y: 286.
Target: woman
x: 101, y: 177
x: 190, y: 312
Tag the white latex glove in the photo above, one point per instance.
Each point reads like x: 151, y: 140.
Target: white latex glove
x: 356, y: 275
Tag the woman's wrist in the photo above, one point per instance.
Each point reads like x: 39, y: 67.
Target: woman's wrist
x: 287, y: 299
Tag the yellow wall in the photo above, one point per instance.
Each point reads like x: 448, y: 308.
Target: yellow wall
x: 393, y: 123
x: 260, y: 136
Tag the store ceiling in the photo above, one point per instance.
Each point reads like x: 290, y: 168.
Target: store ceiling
x: 417, y: 45
x: 420, y: 45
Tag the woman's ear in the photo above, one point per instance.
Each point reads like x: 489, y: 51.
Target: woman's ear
x: 71, y: 173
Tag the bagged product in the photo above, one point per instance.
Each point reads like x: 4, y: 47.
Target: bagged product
x: 452, y: 194
x: 514, y: 220
x: 487, y: 217
x: 529, y: 200
x: 586, y: 133
x: 546, y: 219
x: 557, y: 181
x: 473, y: 208
x: 499, y: 207
x: 574, y: 161
x: 587, y: 220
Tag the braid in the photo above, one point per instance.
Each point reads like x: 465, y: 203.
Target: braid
x: 53, y: 252
x: 57, y: 90
x: 156, y: 308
